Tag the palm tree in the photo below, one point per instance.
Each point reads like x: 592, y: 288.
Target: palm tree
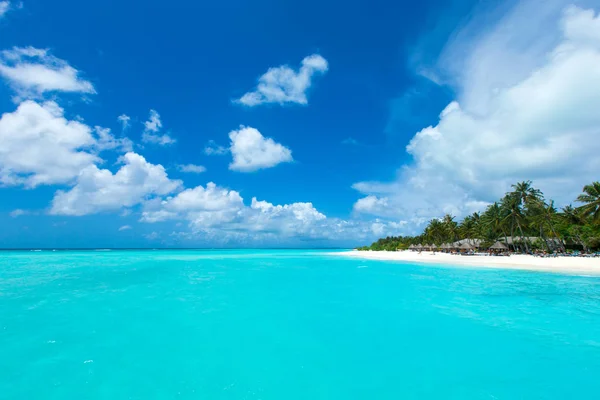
x: 544, y: 217
x: 435, y: 231
x: 469, y: 227
x: 527, y: 194
x: 591, y: 198
x: 573, y: 222
x: 550, y: 216
x: 450, y: 227
x: 511, y: 204
x: 494, y: 220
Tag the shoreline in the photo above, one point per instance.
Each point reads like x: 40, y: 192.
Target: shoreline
x: 562, y: 265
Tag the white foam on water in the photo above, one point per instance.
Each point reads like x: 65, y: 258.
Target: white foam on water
x: 88, y: 361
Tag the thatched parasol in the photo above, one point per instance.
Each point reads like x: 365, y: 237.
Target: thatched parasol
x: 499, y: 246
x: 466, y: 246
x: 411, y: 247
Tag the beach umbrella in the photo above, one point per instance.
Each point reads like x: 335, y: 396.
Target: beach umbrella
x: 411, y: 247
x: 431, y: 246
x: 499, y: 246
x: 419, y: 246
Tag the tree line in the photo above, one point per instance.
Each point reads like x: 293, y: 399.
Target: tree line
x: 521, y: 214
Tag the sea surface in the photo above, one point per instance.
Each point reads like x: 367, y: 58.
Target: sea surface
x: 286, y: 325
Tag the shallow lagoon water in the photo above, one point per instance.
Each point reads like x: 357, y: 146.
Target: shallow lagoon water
x: 289, y: 325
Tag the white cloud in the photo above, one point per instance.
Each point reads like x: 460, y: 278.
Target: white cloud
x: 39, y: 146
x: 99, y: 190
x: 4, y: 7
x: 161, y: 140
x: 154, y: 123
x: 18, y: 212
x: 538, y: 121
x: 217, y: 214
x: 152, y: 128
x: 124, y: 119
x: 208, y: 206
x: 284, y: 85
x: 213, y: 149
x: 125, y: 228
x: 191, y: 168
x: 251, y: 151
x: 371, y: 205
x: 288, y: 219
x: 33, y: 72
x: 106, y: 141
x: 152, y: 236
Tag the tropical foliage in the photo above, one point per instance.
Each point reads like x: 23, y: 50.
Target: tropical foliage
x: 521, y: 214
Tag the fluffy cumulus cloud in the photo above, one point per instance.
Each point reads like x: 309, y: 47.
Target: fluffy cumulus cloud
x: 219, y: 214
x: 39, y: 146
x: 514, y: 119
x: 97, y: 190
x: 152, y: 133
x: 285, y: 85
x: 251, y: 151
x: 208, y: 207
x: 33, y: 72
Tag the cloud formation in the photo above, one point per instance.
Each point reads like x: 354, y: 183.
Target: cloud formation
x: 284, y: 85
x: 18, y: 212
x: 33, y: 72
x: 39, y: 146
x: 124, y: 120
x: 152, y: 128
x: 538, y: 121
x: 99, y: 190
x: 4, y: 7
x: 251, y: 151
x: 191, y: 168
x: 219, y: 214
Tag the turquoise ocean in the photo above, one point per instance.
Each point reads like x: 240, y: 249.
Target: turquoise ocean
x: 289, y: 324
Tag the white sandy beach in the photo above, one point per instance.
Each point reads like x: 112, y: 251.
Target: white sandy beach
x: 568, y: 265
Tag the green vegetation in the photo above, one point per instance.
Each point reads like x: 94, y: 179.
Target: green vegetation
x: 522, y: 214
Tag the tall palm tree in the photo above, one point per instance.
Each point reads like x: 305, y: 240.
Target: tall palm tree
x: 469, y: 227
x: 551, y: 217
x: 527, y: 194
x: 511, y: 204
x: 450, y: 227
x: 494, y: 220
x: 591, y: 198
x: 543, y: 216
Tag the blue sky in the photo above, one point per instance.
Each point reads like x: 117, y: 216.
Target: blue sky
x: 345, y: 123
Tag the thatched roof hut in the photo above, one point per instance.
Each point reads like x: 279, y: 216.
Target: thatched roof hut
x: 499, y: 246
x: 466, y: 246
